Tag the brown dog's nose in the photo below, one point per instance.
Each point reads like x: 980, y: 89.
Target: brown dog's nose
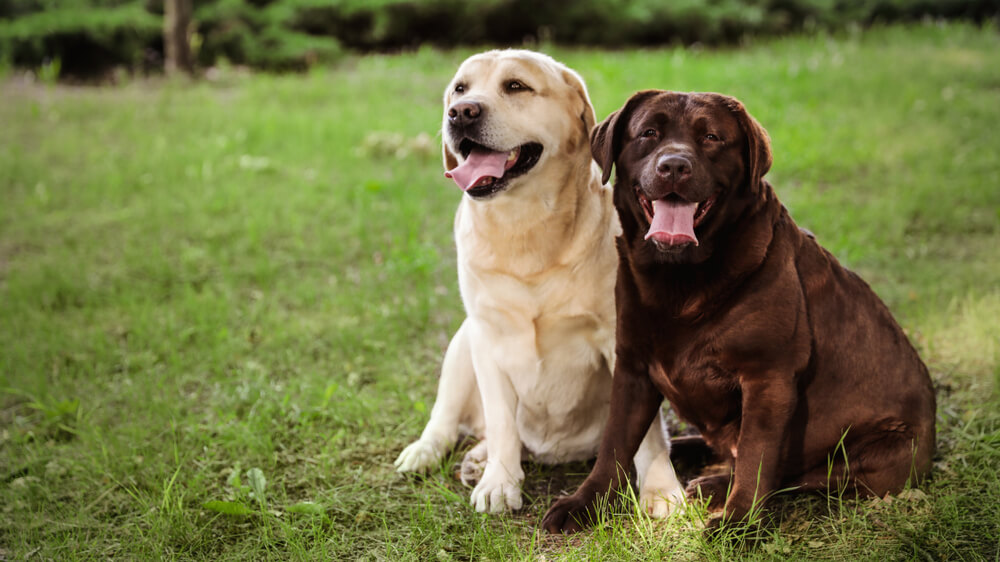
x: 464, y: 112
x: 674, y: 167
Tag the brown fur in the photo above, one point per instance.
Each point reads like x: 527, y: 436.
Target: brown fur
x: 788, y: 364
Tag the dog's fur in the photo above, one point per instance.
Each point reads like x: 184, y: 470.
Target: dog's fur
x: 529, y: 368
x: 789, y: 365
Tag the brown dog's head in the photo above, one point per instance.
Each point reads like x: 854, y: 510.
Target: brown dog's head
x: 686, y: 165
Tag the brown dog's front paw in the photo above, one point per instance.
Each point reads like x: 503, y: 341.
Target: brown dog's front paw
x: 713, y: 526
x: 737, y: 529
x: 720, y: 528
x: 568, y: 515
x: 712, y: 488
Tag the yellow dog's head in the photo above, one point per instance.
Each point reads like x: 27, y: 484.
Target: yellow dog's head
x: 507, y: 114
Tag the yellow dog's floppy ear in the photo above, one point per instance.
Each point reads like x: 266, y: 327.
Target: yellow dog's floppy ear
x: 605, y: 140
x: 587, y: 115
x: 758, y: 142
x: 449, y: 157
x: 450, y: 160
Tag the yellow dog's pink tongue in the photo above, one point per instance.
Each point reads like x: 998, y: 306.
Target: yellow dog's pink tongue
x: 480, y: 164
x: 673, y: 222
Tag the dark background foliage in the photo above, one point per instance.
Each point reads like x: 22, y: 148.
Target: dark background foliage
x: 88, y: 37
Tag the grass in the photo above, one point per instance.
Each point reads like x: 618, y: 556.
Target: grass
x: 239, y: 291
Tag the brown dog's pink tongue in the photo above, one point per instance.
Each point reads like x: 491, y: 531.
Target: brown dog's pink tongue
x: 673, y: 222
x: 480, y: 164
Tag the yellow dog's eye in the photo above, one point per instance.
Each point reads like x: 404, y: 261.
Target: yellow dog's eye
x: 515, y: 85
x: 459, y: 88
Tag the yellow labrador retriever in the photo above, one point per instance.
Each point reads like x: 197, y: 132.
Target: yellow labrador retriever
x: 528, y: 372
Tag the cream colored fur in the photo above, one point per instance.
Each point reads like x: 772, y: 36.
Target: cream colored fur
x: 529, y: 370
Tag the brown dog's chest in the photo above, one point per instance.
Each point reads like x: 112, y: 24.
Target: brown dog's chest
x: 699, y: 389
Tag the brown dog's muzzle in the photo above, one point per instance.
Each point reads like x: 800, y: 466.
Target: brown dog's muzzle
x: 673, y: 169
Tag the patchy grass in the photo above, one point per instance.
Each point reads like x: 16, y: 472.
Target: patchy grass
x: 223, y: 304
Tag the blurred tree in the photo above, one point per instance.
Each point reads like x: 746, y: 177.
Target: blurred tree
x: 177, y: 36
x: 87, y: 38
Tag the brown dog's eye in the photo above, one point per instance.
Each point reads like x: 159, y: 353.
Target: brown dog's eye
x: 712, y: 138
x: 648, y: 133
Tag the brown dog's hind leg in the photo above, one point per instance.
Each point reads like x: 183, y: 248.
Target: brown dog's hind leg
x: 713, y: 488
x: 831, y: 478
x: 889, y: 459
x: 875, y: 464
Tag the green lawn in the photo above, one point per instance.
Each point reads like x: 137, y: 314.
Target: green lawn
x: 240, y: 290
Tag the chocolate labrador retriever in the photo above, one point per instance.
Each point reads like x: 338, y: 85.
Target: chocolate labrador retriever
x: 788, y: 364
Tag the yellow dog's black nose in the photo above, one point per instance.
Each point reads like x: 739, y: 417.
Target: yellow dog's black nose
x: 464, y: 112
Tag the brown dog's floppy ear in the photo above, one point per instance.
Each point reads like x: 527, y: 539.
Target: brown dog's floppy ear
x: 758, y: 142
x: 602, y: 144
x: 605, y: 140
